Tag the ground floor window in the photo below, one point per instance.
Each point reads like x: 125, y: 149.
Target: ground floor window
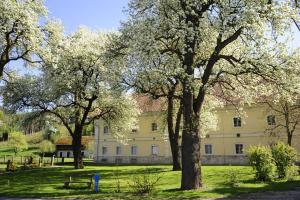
x: 68, y: 154
x: 104, y: 150
x: 134, y: 150
x: 239, y: 148
x: 118, y: 150
x: 61, y: 154
x: 208, y: 149
x: 154, y: 149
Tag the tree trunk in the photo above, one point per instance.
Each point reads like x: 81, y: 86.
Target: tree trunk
x: 76, y: 144
x: 173, y: 137
x: 191, y: 166
x: 289, y: 139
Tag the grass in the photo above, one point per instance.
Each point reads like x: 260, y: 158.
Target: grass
x: 48, y: 182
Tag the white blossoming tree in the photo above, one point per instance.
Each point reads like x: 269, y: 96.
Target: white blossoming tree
x: 20, y: 31
x: 75, y: 85
x: 214, y: 47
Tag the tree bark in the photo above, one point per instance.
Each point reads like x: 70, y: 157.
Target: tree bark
x: 174, y: 134
x: 289, y: 139
x: 191, y: 166
x: 76, y: 144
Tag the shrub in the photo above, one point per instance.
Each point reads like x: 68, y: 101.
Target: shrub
x: 17, y: 141
x: 233, y: 178
x: 260, y: 158
x: 11, y: 166
x: 284, y: 157
x: 144, y: 184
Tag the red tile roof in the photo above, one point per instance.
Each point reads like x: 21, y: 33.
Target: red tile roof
x: 148, y: 104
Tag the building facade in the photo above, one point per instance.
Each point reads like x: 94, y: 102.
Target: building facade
x: 227, y: 144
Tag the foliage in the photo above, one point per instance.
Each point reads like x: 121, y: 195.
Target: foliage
x: 233, y: 178
x: 145, y: 183
x: 35, y: 138
x: 17, y: 141
x: 261, y: 160
x: 213, y: 48
x: 21, y: 34
x: 75, y: 86
x: 284, y: 157
x: 11, y: 166
x: 47, y: 146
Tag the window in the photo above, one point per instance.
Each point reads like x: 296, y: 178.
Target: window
x: 105, y: 130
x: 237, y: 122
x: 61, y: 154
x: 154, y: 149
x: 271, y: 120
x: 134, y: 130
x: 118, y: 150
x: 68, y: 154
x: 239, y: 149
x: 104, y: 150
x: 154, y: 126
x: 134, y: 150
x: 208, y: 149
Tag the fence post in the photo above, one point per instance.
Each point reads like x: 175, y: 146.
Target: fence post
x: 52, y: 161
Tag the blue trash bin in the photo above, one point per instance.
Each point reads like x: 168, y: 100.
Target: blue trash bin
x: 96, y: 179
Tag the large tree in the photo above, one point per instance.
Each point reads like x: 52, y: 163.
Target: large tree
x: 214, y: 47
x: 75, y: 85
x: 20, y: 31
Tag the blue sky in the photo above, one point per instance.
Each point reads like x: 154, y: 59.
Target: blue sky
x: 96, y: 14
x: 100, y: 14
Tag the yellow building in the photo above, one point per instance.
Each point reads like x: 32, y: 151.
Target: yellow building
x: 148, y: 143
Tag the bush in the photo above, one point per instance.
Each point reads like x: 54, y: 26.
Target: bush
x: 144, y: 184
x: 233, y: 178
x: 11, y: 166
x: 284, y: 157
x: 260, y: 158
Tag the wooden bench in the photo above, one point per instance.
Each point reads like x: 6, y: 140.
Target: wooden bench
x: 71, y: 179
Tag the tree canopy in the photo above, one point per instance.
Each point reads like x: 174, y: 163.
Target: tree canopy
x: 76, y: 86
x: 21, y: 34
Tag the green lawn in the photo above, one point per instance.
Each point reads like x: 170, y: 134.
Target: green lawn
x: 48, y: 182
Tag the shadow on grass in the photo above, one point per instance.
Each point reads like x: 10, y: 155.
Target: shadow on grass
x: 48, y: 182
x: 225, y: 191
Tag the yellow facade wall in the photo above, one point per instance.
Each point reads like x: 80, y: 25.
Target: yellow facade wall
x: 223, y: 139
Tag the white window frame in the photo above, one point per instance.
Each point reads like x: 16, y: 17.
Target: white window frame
x: 106, y: 130
x: 211, y: 149
x: 238, y: 125
x: 118, y: 150
x: 235, y: 149
x: 154, y: 150
x: 104, y: 153
x: 131, y: 150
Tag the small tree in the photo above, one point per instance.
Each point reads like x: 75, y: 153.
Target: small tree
x: 17, y: 141
x: 284, y: 157
x: 46, y: 147
x: 260, y: 158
